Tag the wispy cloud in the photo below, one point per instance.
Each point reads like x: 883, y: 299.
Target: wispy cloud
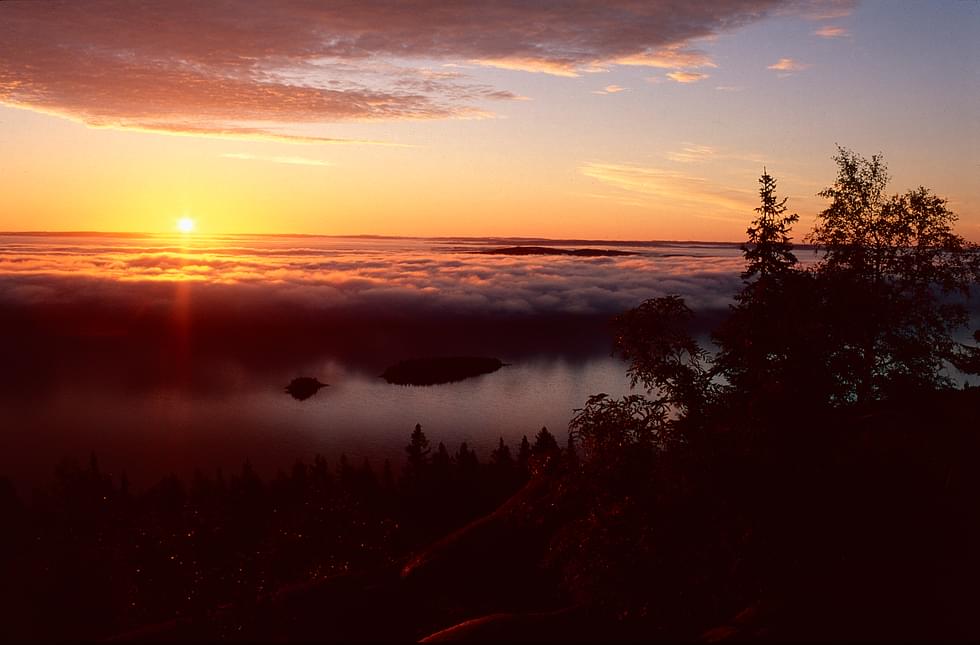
x: 183, y: 66
x: 788, y: 65
x: 240, y: 133
x: 664, y: 185
x: 820, y: 9
x: 830, y: 31
x: 687, y: 77
x: 692, y: 152
x: 674, y: 57
x: 610, y: 89
x: 298, y: 161
x: 729, y: 88
x: 533, y: 65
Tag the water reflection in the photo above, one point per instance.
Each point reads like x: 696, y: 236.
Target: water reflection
x: 153, y: 428
x: 164, y: 355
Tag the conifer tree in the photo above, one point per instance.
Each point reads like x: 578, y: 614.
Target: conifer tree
x: 441, y: 463
x: 769, y: 251
x: 524, y: 454
x: 418, y: 451
x: 500, y: 457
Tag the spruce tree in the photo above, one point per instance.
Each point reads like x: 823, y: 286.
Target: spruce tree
x: 769, y: 251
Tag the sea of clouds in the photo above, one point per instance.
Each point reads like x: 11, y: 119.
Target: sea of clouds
x: 298, y: 281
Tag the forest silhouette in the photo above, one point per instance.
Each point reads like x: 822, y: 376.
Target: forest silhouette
x: 812, y: 476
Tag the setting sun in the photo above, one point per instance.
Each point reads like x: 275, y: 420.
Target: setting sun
x: 185, y: 225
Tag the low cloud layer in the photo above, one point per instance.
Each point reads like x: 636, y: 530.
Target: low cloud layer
x: 253, y: 67
x: 109, y: 285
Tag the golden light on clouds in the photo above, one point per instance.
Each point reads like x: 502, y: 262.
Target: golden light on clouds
x: 687, y: 77
x: 291, y: 159
x: 788, y: 65
x: 674, y: 57
x: 610, y: 89
x: 831, y: 32
x: 320, y: 118
x: 660, y: 186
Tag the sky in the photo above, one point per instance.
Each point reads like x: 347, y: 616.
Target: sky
x: 559, y: 119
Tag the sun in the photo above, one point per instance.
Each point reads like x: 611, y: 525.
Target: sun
x: 185, y: 225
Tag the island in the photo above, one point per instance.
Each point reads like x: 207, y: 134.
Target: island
x: 303, y: 387
x: 439, y: 370
x: 549, y: 250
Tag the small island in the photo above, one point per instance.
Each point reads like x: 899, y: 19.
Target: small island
x: 549, y: 250
x: 439, y: 370
x: 303, y: 387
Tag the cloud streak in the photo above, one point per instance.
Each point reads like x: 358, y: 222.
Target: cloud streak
x: 658, y: 185
x: 788, y: 65
x: 821, y: 9
x: 610, y: 89
x: 687, y: 77
x: 830, y: 31
x: 257, y: 69
x: 298, y: 161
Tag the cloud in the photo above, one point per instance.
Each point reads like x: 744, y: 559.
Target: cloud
x: 258, y: 69
x: 663, y: 185
x: 674, y: 57
x: 788, y: 65
x: 829, y: 31
x: 692, y: 152
x: 687, y: 77
x: 534, y: 65
x: 610, y: 89
x: 820, y: 9
x: 729, y: 88
x: 292, y: 281
x: 299, y: 161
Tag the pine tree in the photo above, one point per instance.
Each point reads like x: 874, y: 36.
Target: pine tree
x: 769, y: 252
x: 418, y: 452
x: 524, y: 455
x: 500, y: 457
x: 466, y: 460
x: 544, y: 443
x: 441, y: 463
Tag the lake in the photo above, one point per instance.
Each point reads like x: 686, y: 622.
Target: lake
x: 165, y: 354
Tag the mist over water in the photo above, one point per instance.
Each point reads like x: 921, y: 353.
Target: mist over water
x: 166, y: 354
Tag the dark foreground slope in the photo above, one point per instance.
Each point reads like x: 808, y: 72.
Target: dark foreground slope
x: 842, y: 525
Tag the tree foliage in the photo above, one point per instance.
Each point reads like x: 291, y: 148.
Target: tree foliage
x: 895, y: 275
x: 769, y: 252
x: 814, y: 447
x: 874, y: 318
x: 662, y: 355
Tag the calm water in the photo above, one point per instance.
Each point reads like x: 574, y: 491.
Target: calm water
x: 168, y: 354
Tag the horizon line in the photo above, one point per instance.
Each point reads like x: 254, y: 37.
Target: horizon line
x: 132, y: 234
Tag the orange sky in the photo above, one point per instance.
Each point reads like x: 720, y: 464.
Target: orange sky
x: 556, y: 121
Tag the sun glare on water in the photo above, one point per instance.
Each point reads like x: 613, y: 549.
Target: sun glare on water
x: 185, y: 225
